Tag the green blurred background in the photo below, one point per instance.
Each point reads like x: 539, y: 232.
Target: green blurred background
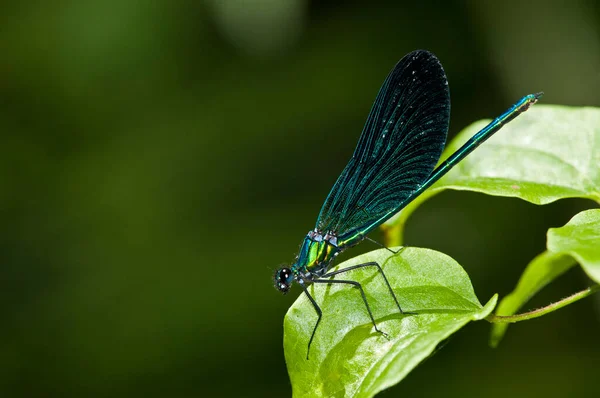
x: 159, y: 160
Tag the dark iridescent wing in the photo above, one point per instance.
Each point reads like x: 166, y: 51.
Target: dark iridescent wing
x: 398, y: 149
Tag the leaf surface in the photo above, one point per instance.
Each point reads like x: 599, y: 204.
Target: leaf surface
x: 347, y: 357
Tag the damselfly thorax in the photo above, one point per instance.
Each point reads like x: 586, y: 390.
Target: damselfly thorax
x: 316, y: 254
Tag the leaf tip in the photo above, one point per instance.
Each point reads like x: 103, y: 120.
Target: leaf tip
x: 486, y: 309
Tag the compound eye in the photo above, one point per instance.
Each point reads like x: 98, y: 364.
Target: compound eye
x: 285, y: 276
x: 283, y: 279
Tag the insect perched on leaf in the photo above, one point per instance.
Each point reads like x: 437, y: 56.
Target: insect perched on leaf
x: 392, y: 164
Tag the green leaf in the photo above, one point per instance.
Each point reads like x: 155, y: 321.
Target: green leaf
x: 548, y: 153
x: 580, y: 238
x: 577, y: 241
x: 347, y: 357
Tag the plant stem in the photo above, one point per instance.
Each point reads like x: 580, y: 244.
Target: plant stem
x: 393, y: 234
x: 493, y: 318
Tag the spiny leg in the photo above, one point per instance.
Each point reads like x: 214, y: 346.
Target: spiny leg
x: 382, y: 245
x: 369, y: 264
x: 319, y: 313
x: 362, y: 293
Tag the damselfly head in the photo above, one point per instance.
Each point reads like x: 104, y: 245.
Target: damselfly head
x: 283, y: 279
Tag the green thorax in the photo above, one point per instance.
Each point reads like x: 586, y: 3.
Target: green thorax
x: 316, y: 254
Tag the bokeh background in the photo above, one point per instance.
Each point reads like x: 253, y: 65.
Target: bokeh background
x: 159, y: 160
